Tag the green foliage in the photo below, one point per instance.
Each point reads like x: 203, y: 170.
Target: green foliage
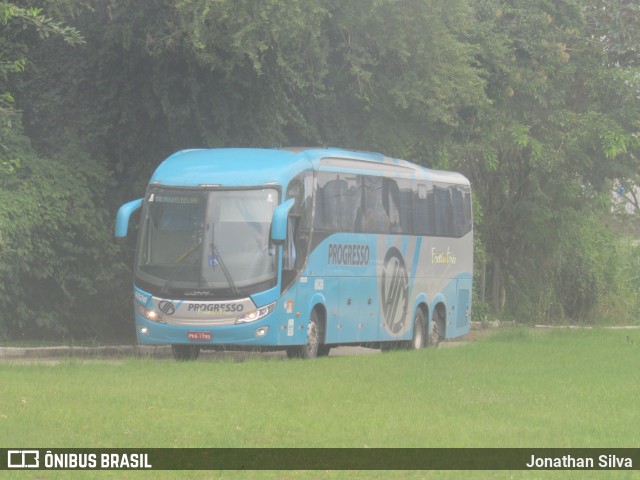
x: 581, y: 269
x: 615, y: 22
x: 535, y: 101
x: 14, y: 20
x: 620, y: 303
x: 44, y: 26
x: 390, y: 76
x: 402, y: 76
x: 549, y: 147
x: 55, y: 245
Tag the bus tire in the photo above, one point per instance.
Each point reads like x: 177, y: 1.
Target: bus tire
x: 434, y: 334
x: 418, y: 340
x: 311, y: 348
x: 185, y: 353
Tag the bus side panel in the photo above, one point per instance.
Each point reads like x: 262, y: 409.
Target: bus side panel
x: 398, y: 260
x: 358, y: 313
x: 447, y: 263
x: 372, y: 297
x: 343, y: 267
x: 463, y: 307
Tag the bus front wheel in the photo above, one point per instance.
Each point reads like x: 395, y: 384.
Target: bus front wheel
x: 312, y: 347
x: 185, y: 353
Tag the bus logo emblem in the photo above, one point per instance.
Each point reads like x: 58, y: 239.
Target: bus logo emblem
x: 166, y: 307
x: 394, y: 291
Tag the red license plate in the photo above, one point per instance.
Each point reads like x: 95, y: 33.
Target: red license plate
x: 199, y: 336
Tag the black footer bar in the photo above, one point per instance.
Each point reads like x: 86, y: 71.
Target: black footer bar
x: 321, y: 459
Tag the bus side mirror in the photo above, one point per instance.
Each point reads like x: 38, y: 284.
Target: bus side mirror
x: 279, y: 224
x: 122, y: 219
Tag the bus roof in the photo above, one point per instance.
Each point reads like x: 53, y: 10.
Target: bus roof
x: 244, y: 167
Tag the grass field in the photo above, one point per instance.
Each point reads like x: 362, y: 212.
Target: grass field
x: 518, y: 388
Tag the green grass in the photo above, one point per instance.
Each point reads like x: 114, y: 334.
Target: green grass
x: 518, y: 388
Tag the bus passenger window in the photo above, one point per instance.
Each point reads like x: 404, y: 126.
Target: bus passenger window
x: 337, y: 203
x: 423, y: 211
x: 391, y: 202
x: 376, y: 217
x: 444, y: 212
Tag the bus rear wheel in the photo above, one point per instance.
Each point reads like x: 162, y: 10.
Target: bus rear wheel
x: 312, y: 348
x: 434, y: 334
x: 185, y: 353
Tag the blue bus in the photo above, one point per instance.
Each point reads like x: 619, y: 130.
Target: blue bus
x: 300, y: 250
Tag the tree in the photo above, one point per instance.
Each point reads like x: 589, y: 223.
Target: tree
x: 544, y: 158
x: 13, y: 51
x: 535, y: 101
x: 54, y: 239
x: 394, y: 76
x: 614, y: 23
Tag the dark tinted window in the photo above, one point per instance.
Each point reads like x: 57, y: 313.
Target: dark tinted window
x: 443, y: 212
x: 461, y: 200
x: 372, y: 204
x: 338, y: 202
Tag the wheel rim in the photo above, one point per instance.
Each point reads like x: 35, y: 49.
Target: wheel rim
x: 418, y: 332
x: 312, y: 337
x: 417, y: 342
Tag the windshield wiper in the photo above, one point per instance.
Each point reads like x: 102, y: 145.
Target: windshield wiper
x: 216, y: 256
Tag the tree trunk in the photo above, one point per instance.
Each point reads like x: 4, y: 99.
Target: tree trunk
x: 497, y: 286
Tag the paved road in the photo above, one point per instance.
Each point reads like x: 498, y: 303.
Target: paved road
x: 117, y: 354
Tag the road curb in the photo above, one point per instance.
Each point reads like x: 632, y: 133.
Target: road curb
x: 85, y: 352
x: 164, y: 351
x: 588, y: 327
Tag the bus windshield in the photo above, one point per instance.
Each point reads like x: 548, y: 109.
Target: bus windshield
x: 215, y: 242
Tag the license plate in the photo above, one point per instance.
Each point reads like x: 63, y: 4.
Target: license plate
x: 199, y: 336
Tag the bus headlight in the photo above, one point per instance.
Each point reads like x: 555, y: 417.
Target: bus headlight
x: 257, y: 314
x: 150, y: 314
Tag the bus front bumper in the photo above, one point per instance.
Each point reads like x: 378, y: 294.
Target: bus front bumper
x: 265, y: 332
